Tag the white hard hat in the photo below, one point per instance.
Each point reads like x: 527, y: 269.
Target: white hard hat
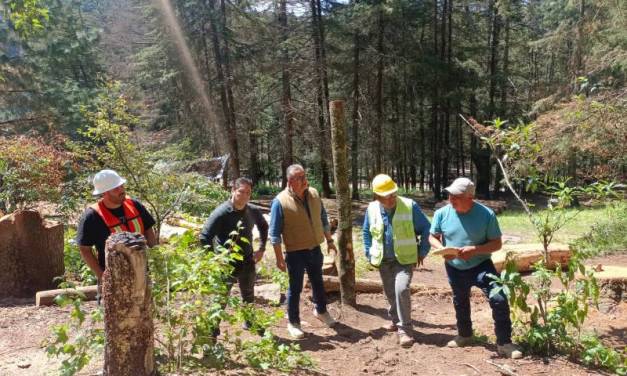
x: 106, y: 180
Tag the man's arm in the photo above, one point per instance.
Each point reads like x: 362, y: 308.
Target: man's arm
x: 490, y: 246
x: 151, y: 237
x: 87, y: 253
x: 327, y: 229
x: 421, y: 228
x: 209, y: 230
x: 262, y: 226
x: 367, y: 236
x: 276, y: 228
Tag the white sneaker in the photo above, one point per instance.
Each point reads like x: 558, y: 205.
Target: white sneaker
x: 459, y: 341
x: 294, y: 331
x: 510, y: 351
x: 325, y: 318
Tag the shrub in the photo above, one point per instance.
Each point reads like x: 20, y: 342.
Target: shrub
x: 31, y: 170
x: 76, y: 271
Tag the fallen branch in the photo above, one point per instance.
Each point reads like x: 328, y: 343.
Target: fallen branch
x: 503, y: 368
x: 473, y: 367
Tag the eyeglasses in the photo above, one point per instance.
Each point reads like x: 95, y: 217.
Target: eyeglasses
x: 299, y: 178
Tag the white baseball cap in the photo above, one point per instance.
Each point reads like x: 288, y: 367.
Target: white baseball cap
x: 105, y: 181
x: 460, y: 186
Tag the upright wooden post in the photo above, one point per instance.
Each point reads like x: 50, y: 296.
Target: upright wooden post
x: 346, y: 261
x: 129, y: 331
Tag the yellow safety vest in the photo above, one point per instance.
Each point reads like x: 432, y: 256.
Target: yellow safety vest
x: 405, y: 244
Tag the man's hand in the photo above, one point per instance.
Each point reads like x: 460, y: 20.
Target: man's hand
x: 280, y: 263
x: 466, y: 252
x: 258, y: 255
x: 331, y: 247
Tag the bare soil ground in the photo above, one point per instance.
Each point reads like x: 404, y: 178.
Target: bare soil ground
x: 357, y: 345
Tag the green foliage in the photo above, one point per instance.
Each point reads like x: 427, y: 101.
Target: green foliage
x: 30, y: 171
x: 266, y: 190
x: 553, y: 323
x: 76, y: 270
x: 275, y: 276
x: 203, y: 196
x: 109, y: 132
x: 29, y: 17
x: 78, y: 341
x: 267, y: 353
x: 191, y: 297
x: 608, y: 233
x: 594, y: 353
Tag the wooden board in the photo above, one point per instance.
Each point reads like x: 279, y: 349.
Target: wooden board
x: 46, y: 298
x: 525, y: 255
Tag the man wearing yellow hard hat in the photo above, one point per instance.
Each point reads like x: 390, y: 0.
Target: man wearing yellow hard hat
x: 391, y: 227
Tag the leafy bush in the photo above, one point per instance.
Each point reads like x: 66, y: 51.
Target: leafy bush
x: 268, y: 353
x: 31, y: 170
x: 191, y: 298
x: 73, y: 341
x: 266, y: 190
x: 203, y: 196
x: 594, y: 353
x: 76, y: 270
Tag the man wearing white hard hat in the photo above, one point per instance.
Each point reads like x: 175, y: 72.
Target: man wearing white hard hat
x: 391, y: 227
x: 473, y: 230
x: 114, y: 212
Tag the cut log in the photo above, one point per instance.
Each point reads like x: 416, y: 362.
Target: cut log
x: 129, y: 330
x: 31, y: 254
x: 525, y: 255
x: 180, y: 222
x: 46, y: 298
x: 373, y: 286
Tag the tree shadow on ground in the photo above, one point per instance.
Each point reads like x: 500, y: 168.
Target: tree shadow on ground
x: 343, y: 333
x: 383, y: 314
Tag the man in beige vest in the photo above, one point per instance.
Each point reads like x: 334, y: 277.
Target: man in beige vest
x: 298, y: 219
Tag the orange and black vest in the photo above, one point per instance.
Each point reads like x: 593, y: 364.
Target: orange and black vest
x: 131, y: 214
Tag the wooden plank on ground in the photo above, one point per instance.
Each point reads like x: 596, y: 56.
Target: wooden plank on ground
x: 46, y: 298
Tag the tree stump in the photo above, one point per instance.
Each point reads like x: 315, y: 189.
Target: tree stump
x: 31, y: 254
x: 129, y: 331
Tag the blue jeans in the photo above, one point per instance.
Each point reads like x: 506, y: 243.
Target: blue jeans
x: 298, y: 262
x: 461, y: 281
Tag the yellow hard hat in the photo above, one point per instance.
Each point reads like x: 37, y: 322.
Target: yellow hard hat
x: 383, y: 185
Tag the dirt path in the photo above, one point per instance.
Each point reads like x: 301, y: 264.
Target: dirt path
x: 357, y: 346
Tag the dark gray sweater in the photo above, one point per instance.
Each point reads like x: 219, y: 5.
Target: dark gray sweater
x: 223, y: 221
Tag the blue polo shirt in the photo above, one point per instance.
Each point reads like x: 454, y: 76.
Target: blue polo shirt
x: 476, y: 227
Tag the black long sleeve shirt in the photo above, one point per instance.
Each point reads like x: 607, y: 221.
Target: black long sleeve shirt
x: 224, y: 220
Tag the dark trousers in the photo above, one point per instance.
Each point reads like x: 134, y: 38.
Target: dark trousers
x: 244, y: 273
x: 298, y: 262
x: 461, y: 281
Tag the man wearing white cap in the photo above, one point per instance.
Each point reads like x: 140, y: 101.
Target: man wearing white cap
x: 391, y: 227
x: 474, y: 231
x: 114, y: 212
